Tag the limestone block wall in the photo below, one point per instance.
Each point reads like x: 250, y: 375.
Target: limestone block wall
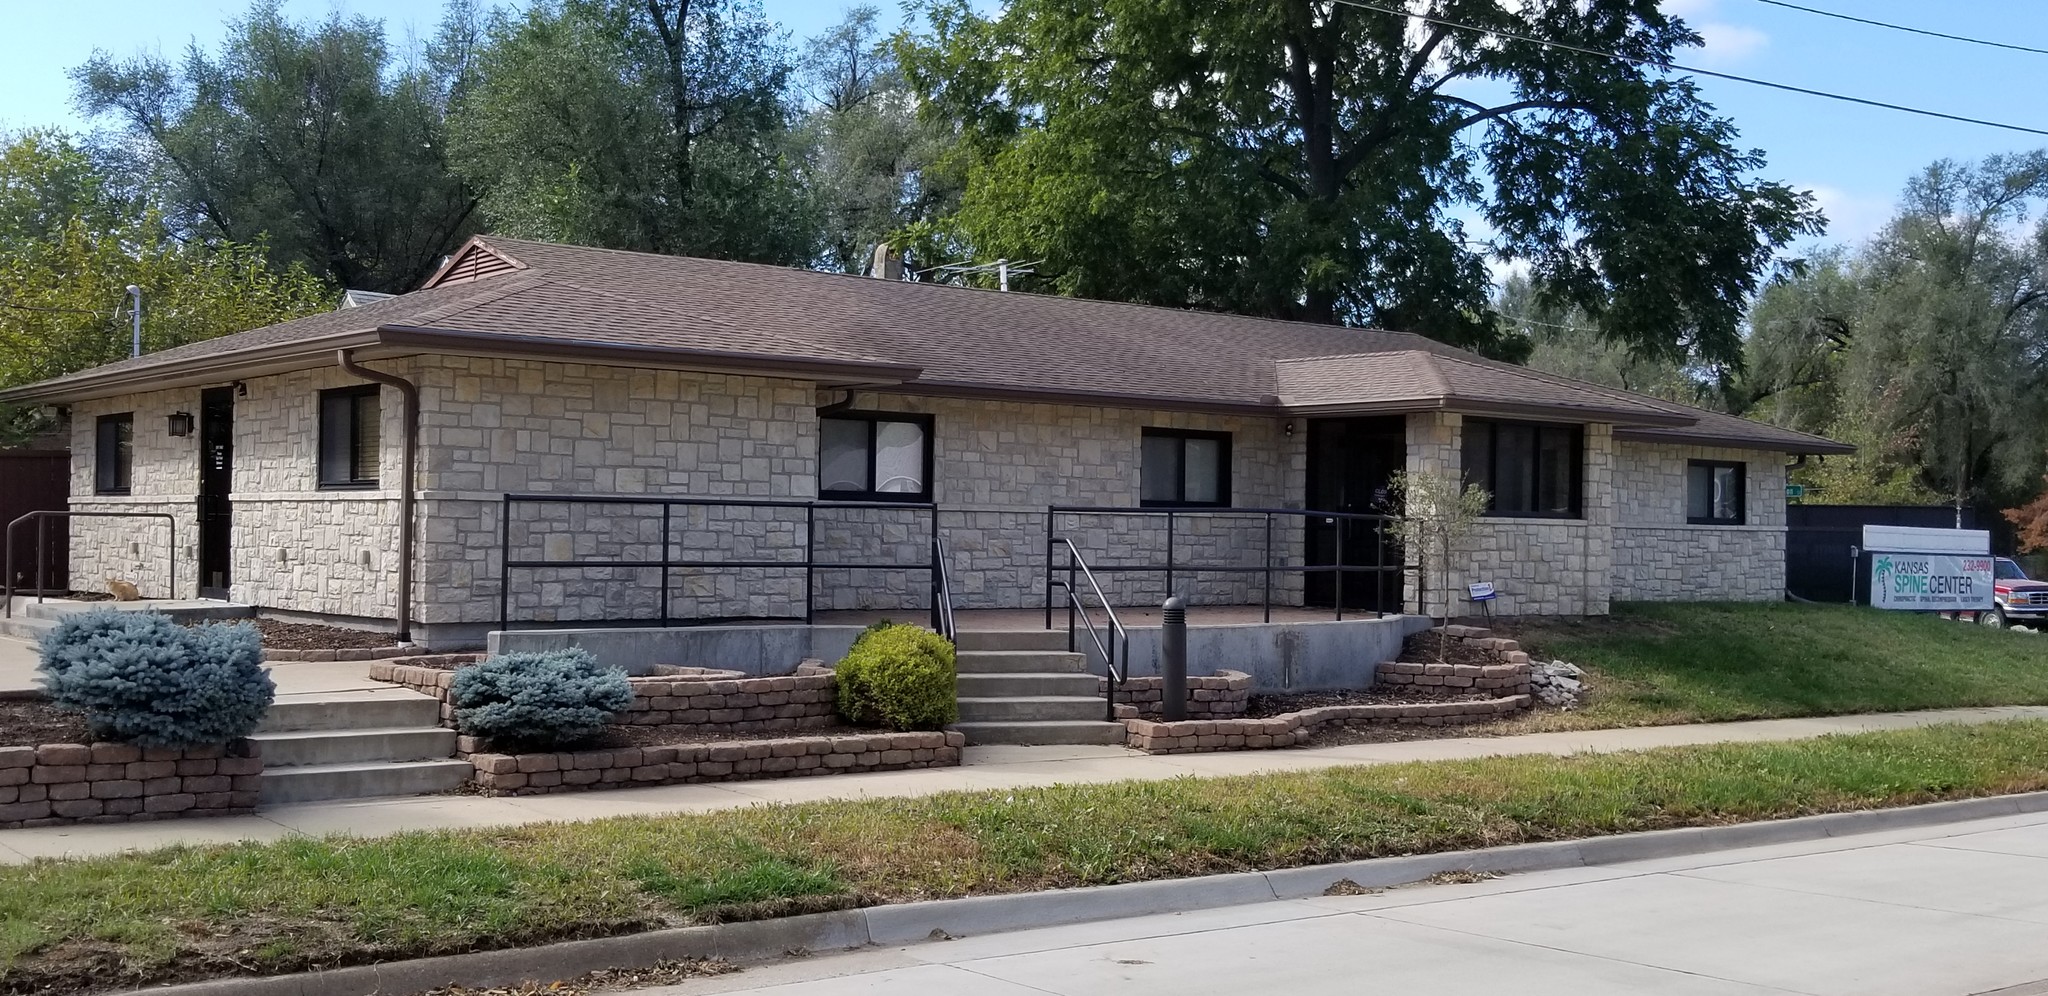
x: 998, y: 465
x: 491, y: 426
x: 294, y: 546
x: 1658, y: 556
x: 1540, y: 566
x: 163, y: 477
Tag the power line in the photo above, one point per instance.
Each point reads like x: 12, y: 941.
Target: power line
x: 1618, y: 57
x: 1902, y: 27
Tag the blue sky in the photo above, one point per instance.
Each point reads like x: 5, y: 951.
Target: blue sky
x: 1854, y: 159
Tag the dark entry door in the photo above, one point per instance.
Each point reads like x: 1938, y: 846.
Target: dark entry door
x: 1350, y: 463
x: 216, y: 483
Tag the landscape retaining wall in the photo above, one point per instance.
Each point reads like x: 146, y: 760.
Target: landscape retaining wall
x: 1222, y: 695
x: 1199, y: 736
x: 707, y: 700
x: 119, y: 783
x: 542, y: 773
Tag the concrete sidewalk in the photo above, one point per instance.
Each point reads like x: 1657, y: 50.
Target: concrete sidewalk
x: 986, y: 768
x: 1952, y: 909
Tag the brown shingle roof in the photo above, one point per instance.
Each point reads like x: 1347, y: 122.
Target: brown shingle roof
x: 507, y: 295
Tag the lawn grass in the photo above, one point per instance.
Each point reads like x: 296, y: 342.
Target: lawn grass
x: 199, y: 911
x: 1691, y: 662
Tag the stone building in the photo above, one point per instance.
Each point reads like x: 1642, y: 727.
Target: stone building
x: 531, y: 401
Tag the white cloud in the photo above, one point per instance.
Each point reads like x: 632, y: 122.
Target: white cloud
x: 1722, y: 43
x: 1852, y: 217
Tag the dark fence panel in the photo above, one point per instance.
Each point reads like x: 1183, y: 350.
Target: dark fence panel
x: 38, y: 481
x: 1818, y: 538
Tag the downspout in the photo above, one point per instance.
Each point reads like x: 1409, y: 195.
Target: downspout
x: 410, y: 392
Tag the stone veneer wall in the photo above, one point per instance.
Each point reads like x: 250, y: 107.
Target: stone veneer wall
x: 709, y: 701
x: 119, y: 783
x: 1539, y: 566
x: 997, y: 465
x: 1658, y: 556
x: 1223, y: 695
x: 537, y: 774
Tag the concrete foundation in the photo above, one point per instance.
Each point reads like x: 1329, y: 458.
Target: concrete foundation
x: 1280, y: 656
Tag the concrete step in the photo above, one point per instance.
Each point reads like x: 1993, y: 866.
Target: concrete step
x: 1043, y: 732
x: 1012, y: 639
x: 1031, y: 708
x: 179, y: 609
x: 23, y: 627
x: 361, y: 780
x: 298, y: 748
x: 1014, y: 661
x: 396, y: 708
x: 1012, y: 685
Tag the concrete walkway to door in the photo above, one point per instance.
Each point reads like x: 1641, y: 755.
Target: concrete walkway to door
x: 985, y: 768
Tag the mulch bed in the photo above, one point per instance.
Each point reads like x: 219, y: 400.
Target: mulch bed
x: 1431, y: 647
x: 1394, y: 733
x: 313, y: 636
x: 33, y: 724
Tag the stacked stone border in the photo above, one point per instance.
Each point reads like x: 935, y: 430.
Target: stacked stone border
x: 1508, y: 682
x: 283, y: 656
x: 543, y: 773
x: 705, y: 699
x: 58, y: 784
x: 1223, y: 695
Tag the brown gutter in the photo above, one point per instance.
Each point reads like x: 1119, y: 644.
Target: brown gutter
x: 628, y: 354
x: 1818, y: 445
x: 408, y: 492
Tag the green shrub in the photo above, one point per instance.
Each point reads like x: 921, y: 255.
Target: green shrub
x: 556, y: 698
x: 899, y: 676
x: 140, y: 678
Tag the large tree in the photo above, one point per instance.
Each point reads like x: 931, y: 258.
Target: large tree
x: 71, y: 241
x: 316, y: 137
x: 867, y: 152
x: 1317, y: 160
x: 653, y: 125
x: 1927, y: 346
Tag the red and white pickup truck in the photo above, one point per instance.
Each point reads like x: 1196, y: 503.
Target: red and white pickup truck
x: 2015, y: 597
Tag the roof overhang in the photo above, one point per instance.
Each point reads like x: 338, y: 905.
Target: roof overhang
x: 399, y: 340
x: 1501, y: 409
x: 1816, y: 446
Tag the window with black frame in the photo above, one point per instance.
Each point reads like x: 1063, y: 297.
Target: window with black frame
x: 113, y: 454
x: 874, y: 456
x: 1530, y: 469
x: 349, y: 437
x: 1714, y: 493
x: 1184, y: 467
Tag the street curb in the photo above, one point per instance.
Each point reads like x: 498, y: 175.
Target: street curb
x: 909, y: 923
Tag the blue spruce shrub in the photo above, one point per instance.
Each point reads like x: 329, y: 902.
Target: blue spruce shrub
x: 140, y: 678
x: 553, y: 699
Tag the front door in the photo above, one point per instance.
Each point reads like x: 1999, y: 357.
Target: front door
x: 1351, y: 462
x: 216, y: 483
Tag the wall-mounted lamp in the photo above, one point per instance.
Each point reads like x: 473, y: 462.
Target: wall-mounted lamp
x: 1288, y: 428
x: 241, y: 389
x: 181, y: 423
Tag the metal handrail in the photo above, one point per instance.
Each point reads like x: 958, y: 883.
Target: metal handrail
x: 42, y: 517
x: 1118, y: 666
x: 1379, y: 569
x: 942, y: 593
x: 669, y: 563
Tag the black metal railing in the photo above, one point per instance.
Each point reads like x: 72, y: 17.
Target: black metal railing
x: 942, y: 593
x: 42, y: 520
x: 669, y: 563
x: 1114, y: 646
x: 1268, y: 568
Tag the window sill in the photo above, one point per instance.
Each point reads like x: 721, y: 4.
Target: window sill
x: 875, y: 498
x: 112, y: 492
x: 350, y: 486
x: 1715, y: 522
x: 1530, y: 517
x: 1187, y: 506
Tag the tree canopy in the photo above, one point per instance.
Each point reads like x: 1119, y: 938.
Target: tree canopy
x: 1315, y: 160
x: 312, y: 138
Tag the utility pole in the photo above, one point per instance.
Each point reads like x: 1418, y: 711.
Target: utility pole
x: 135, y: 315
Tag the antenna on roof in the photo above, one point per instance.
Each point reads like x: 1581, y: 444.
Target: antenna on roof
x: 1002, y: 268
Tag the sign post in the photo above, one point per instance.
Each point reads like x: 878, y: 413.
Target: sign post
x: 1482, y: 594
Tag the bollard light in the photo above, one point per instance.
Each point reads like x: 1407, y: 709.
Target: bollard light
x: 1173, y: 660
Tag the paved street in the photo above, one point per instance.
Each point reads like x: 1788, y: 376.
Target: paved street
x: 1959, y: 909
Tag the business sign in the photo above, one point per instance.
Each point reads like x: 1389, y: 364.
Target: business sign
x: 1480, y: 591
x: 1929, y: 582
